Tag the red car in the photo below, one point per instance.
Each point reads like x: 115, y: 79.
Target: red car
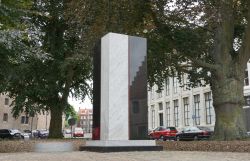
x: 78, y: 132
x: 163, y: 133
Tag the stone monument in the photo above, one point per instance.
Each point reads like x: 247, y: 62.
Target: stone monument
x: 120, y: 114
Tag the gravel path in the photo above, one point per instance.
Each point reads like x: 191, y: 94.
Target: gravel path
x: 127, y: 156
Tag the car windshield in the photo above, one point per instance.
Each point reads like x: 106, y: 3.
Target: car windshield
x: 204, y: 128
x: 15, y: 131
x: 27, y: 131
x: 78, y: 130
x: 171, y: 128
x: 44, y: 131
x: 194, y: 129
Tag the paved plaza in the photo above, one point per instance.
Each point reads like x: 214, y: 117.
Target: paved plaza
x: 127, y: 156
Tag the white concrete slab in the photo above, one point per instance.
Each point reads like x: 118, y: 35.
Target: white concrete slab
x: 114, y: 87
x: 120, y: 143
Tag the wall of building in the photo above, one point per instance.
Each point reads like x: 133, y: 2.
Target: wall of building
x: 85, y: 120
x: 158, y: 104
x: 23, y: 122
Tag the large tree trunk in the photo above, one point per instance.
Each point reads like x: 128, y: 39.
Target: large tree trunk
x: 230, y: 123
x: 55, y: 128
x: 228, y: 101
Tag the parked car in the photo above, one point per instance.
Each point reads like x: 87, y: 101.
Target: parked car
x: 78, y: 132
x: 194, y: 133
x: 10, y: 134
x: 26, y: 133
x: 163, y: 133
x: 42, y: 134
x: 67, y: 131
x: 35, y: 133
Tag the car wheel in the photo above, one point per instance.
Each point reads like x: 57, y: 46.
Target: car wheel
x: 195, y: 138
x: 178, y: 138
x: 162, y: 138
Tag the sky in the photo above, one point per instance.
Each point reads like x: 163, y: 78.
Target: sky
x: 77, y: 103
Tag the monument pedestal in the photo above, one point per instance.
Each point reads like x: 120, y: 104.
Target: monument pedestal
x: 120, y: 146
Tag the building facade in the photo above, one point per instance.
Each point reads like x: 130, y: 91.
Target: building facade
x: 180, y: 107
x: 85, y: 120
x: 23, y: 122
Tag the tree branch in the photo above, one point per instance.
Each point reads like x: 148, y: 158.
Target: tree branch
x: 201, y: 63
x: 224, y: 35
x: 244, y: 54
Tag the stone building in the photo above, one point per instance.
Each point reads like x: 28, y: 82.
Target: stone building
x: 181, y: 107
x: 23, y: 122
x: 85, y: 119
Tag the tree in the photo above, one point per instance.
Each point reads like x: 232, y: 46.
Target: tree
x: 102, y: 16
x: 210, y: 41
x: 45, y: 79
x: 12, y: 31
x: 70, y: 113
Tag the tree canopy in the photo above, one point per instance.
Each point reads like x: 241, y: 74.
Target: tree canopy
x: 51, y: 68
x: 209, y: 41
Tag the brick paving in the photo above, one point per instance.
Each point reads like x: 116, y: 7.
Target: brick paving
x: 127, y: 156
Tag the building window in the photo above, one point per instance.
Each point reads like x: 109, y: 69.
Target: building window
x: 160, y: 107
x: 175, y: 84
x: 167, y: 86
x: 186, y: 111
x: 152, y: 93
x: 197, y: 109
x: 176, y: 113
x: 168, y: 113
x: 135, y: 107
x: 159, y: 92
x: 185, y: 83
x: 161, y: 119
x: 5, y: 117
x: 208, y: 106
x: 247, y: 100
x: 246, y: 80
x: 6, y: 101
x: 24, y: 120
x: 153, y: 117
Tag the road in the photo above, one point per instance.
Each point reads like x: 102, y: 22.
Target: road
x: 127, y: 156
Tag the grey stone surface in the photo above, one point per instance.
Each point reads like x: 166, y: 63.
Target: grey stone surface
x: 53, y: 147
x: 127, y: 156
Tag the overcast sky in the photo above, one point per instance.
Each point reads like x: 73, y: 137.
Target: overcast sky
x: 76, y: 104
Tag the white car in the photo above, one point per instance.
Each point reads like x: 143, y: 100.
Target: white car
x: 25, y: 136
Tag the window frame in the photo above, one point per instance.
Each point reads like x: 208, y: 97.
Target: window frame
x: 176, y: 113
x: 5, y: 117
x: 208, y: 107
x: 186, y: 111
x: 197, y: 109
x: 168, y: 114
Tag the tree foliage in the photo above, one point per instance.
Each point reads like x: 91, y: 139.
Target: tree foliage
x: 208, y: 40
x: 52, y: 67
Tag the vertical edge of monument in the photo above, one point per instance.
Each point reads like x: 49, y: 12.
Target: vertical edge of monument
x: 96, y: 91
x: 138, y: 111
x: 114, y: 87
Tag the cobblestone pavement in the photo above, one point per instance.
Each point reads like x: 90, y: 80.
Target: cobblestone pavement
x: 127, y: 156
